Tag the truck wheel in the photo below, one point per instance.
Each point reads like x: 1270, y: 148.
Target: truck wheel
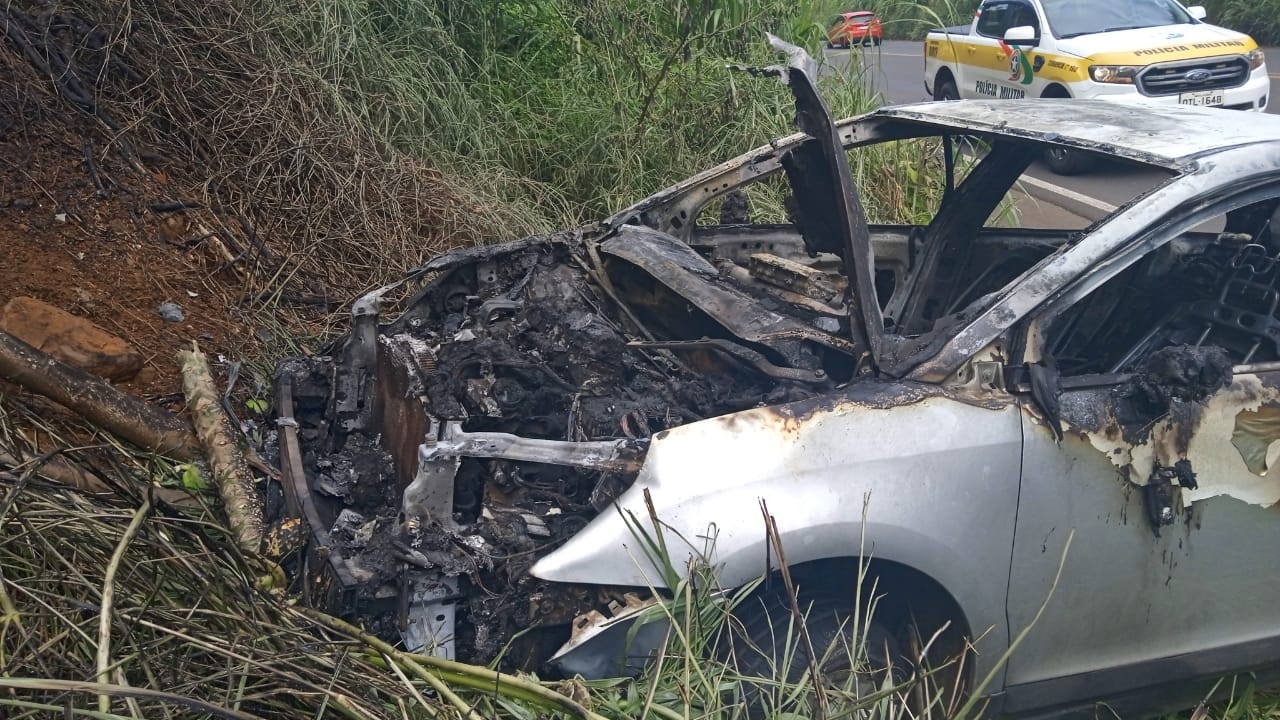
x: 765, y: 644
x: 947, y: 90
x: 1064, y: 161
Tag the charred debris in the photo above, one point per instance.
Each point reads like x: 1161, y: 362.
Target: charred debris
x: 540, y: 369
x: 439, y: 454
x: 483, y: 410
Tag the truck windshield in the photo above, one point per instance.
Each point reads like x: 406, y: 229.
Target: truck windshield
x: 1071, y: 18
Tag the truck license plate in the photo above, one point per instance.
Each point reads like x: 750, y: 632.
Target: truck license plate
x: 1203, y: 98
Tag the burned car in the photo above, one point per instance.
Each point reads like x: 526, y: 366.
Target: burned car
x: 941, y: 405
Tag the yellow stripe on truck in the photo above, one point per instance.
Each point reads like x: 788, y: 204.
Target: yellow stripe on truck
x: 1175, y: 51
x: 1062, y: 68
x: 1057, y: 68
x: 944, y: 50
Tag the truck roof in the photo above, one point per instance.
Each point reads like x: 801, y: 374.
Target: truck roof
x: 1158, y: 134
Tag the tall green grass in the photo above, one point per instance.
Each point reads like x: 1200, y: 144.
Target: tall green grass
x: 595, y: 104
x: 1258, y: 18
x: 912, y: 19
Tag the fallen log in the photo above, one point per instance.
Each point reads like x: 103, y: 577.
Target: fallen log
x: 226, y: 460
x: 97, y: 401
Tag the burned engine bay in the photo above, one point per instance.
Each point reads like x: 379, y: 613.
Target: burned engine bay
x: 536, y: 371
x: 437, y: 455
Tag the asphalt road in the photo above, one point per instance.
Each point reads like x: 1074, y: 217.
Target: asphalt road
x: 895, y: 71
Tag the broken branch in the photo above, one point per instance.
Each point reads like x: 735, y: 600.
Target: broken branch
x: 108, y: 601
x: 226, y: 461
x: 96, y: 400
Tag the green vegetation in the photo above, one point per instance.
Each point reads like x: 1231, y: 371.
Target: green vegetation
x: 592, y: 105
x: 338, y: 143
x: 911, y: 19
x: 363, y: 137
x: 1258, y: 18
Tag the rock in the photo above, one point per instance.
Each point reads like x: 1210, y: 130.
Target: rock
x: 172, y: 313
x: 71, y: 339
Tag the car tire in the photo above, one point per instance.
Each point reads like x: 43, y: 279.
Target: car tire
x: 762, y: 637
x: 1065, y: 161
x: 947, y: 91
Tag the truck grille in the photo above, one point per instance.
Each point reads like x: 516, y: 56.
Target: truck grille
x: 1212, y: 74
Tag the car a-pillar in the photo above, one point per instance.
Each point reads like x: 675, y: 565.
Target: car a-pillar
x: 901, y: 613
x: 1065, y: 161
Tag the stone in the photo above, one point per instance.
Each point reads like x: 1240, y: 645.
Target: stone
x: 172, y: 313
x: 69, y: 338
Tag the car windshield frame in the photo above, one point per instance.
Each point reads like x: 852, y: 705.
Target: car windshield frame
x: 1074, y: 18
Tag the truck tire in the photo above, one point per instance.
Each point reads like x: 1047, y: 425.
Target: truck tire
x: 947, y: 90
x: 1065, y: 161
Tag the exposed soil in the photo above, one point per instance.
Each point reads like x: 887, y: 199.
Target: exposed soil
x: 107, y: 256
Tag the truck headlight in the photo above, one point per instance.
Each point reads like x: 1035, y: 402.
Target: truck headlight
x: 1256, y: 58
x: 1120, y: 74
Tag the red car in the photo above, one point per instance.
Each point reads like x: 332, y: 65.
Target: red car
x: 861, y: 27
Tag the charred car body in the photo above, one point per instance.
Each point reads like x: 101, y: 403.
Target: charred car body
x: 944, y: 403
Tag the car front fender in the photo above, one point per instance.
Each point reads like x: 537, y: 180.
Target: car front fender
x: 896, y: 471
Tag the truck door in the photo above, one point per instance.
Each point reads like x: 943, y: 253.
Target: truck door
x: 992, y: 69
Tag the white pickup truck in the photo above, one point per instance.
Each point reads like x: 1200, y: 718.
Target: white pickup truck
x: 1121, y: 50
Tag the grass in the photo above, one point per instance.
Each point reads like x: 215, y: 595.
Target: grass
x: 1258, y: 18
x: 355, y: 139
x: 130, y: 607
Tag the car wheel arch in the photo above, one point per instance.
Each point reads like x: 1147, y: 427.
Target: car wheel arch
x: 908, y: 600
x: 1056, y: 90
x: 944, y: 76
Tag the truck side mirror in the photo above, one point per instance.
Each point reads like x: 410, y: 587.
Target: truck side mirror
x: 1198, y: 12
x: 1022, y: 35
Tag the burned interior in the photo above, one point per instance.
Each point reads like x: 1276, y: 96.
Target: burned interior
x: 484, y: 409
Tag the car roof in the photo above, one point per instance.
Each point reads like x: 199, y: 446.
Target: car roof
x: 859, y: 12
x: 1160, y: 134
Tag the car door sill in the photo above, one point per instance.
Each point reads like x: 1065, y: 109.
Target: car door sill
x: 1177, y: 682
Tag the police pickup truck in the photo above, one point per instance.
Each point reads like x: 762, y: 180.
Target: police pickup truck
x: 1121, y: 50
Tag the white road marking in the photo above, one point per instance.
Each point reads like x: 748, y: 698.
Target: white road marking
x: 1072, y: 195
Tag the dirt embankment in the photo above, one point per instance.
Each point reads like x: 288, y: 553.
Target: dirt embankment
x: 157, y: 153
x: 108, y: 257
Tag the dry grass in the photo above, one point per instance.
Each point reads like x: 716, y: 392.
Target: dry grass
x: 155, y: 609
x: 307, y: 198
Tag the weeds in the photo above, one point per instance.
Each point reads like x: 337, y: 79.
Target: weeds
x: 1258, y: 18
x: 156, y: 613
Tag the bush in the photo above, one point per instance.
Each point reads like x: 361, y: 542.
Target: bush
x: 1258, y: 18
x: 911, y: 19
